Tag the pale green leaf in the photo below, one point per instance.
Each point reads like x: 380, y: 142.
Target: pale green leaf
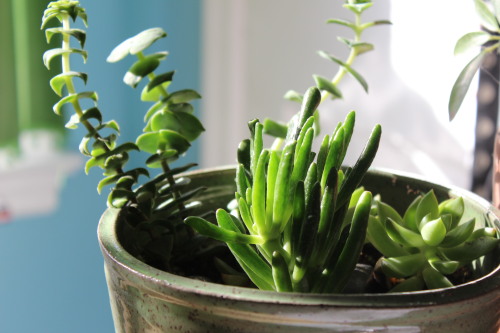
x: 403, y: 236
x: 52, y: 53
x: 294, y: 96
x: 462, y: 84
x: 348, y: 68
x: 136, y: 44
x: 433, y: 232
x: 182, y: 96
x: 73, y: 98
x: 487, y: 17
x: 325, y: 85
x: 472, y: 40
x: 59, y: 81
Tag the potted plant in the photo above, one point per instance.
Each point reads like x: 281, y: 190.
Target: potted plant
x: 299, y: 219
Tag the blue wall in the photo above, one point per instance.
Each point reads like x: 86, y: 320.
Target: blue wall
x: 51, y: 269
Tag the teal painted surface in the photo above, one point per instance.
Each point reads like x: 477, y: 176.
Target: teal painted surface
x: 51, y: 269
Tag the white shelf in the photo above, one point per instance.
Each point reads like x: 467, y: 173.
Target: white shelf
x: 31, y: 186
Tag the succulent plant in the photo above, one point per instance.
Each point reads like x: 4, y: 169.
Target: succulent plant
x: 290, y: 231
x: 429, y: 242
x: 170, y: 129
x: 487, y: 41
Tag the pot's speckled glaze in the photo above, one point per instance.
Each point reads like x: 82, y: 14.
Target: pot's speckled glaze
x: 144, y: 299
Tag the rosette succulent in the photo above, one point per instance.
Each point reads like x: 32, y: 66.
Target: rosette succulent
x: 429, y: 242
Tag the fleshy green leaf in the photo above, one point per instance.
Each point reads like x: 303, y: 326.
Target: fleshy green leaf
x: 454, y: 207
x: 182, y: 96
x: 160, y: 79
x: 162, y: 140
x: 427, y: 207
x: 496, y: 8
x: 52, y: 53
x: 79, y: 34
x: 434, y: 279
x: 136, y: 44
x: 487, y: 17
x: 402, y: 235
x: 325, y: 85
x: 281, y: 275
x: 119, y: 197
x: 154, y: 161
x: 92, y: 113
x: 358, y: 8
x: 184, y: 123
x: 410, y: 216
x: 472, y: 40
x: 208, y: 229
x: 59, y: 81
x: 445, y: 267
x: 377, y: 236
x: 403, y: 266
x: 294, y: 96
x: 140, y: 69
x: 274, y: 128
x: 345, y: 23
x: 433, y: 232
x: 471, y: 250
x: 348, y: 68
x: 385, y: 211
x: 360, y: 47
x: 73, y: 98
x: 462, y: 84
x: 107, y: 181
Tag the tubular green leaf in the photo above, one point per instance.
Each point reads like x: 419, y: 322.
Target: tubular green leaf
x: 280, y: 272
x: 326, y: 85
x: 259, y: 193
x: 272, y: 173
x: 274, y: 128
x: 354, y: 243
x: 208, y: 229
x: 282, y: 189
x: 353, y: 179
x: 255, y: 267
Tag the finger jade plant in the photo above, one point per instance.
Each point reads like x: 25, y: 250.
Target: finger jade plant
x: 299, y: 221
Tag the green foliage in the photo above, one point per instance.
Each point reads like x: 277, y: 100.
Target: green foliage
x: 488, y: 41
x: 330, y: 87
x: 427, y: 243
x: 170, y: 129
x: 299, y: 227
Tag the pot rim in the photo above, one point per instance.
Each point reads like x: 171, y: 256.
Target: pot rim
x: 158, y: 279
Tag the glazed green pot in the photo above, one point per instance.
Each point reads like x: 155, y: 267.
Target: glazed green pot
x: 145, y: 299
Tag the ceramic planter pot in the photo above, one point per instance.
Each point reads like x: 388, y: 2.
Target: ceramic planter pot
x: 145, y: 299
